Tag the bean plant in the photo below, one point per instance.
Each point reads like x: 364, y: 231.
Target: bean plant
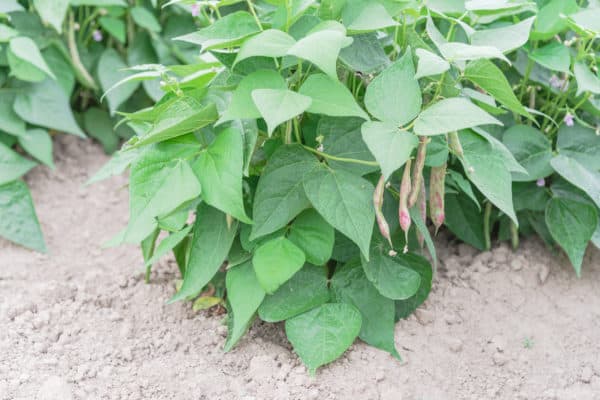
x: 57, y: 57
x: 299, y: 167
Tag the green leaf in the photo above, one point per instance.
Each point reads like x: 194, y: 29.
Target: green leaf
x: 581, y: 144
x: 462, y: 185
x: 276, y: 261
x: 585, y: 179
x: 99, y: 125
x: 161, y: 180
x: 365, y: 54
x: 587, y: 19
x: 12, y: 165
x: 390, y: 275
x: 430, y: 64
x: 167, y: 244
x: 509, y: 160
x: 7, y: 33
x: 549, y: 20
x: 532, y: 150
x: 145, y: 19
x: 420, y: 265
x: 52, y: 12
x: 99, y: 3
x: 330, y: 97
x: 314, y: 236
x: 280, y: 194
x: 185, y: 115
x: 343, y: 138
x: 451, y: 115
x: 38, y: 143
x: 19, y: 221
x: 11, y: 123
x: 219, y: 170
x: 115, y: 166
x: 390, y: 147
x: 345, y: 201
x: 244, y: 295
x: 383, y: 99
x: 322, y: 49
x: 529, y: 196
x: 211, y: 242
x: 490, y: 78
x: 587, y: 81
x: 322, y: 335
x: 554, y: 56
x: 365, y: 16
x: 350, y: 285
x: 269, y: 43
x: 241, y: 105
x: 571, y: 224
x: 456, y: 51
x: 114, y: 26
x: 225, y: 32
x: 23, y: 52
x: 277, y: 106
x: 110, y: 72
x: 505, y: 38
x: 465, y: 220
x: 304, y: 291
x: 487, y: 171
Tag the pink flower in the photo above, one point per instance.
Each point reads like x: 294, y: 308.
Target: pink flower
x: 569, y: 120
x: 555, y: 82
x: 97, y: 35
x: 541, y: 182
x: 195, y: 9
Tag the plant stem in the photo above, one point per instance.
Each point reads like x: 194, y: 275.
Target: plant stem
x: 341, y: 159
x: 514, y: 235
x: 486, y: 225
x: 253, y: 12
x: 84, y: 76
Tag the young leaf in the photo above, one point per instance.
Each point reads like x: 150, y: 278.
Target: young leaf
x: 450, y: 115
x: 390, y: 147
x: 25, y: 49
x: 330, y: 97
x: 211, y: 242
x: 12, y: 165
x: 549, y: 20
x: 350, y: 285
x: 345, y: 201
x: 38, y: 143
x: 430, y: 64
x: 322, y: 335
x: 490, y: 78
x: 383, y: 99
x: 571, y: 224
x: 554, y: 56
x: 276, y: 261
x: 277, y: 106
x: 322, y: 49
x: 280, y: 193
x: 19, y: 221
x: 228, y: 31
x: 314, y: 236
x: 52, y: 12
x: 219, y: 170
x: 487, y: 171
x: 110, y: 72
x: 269, y: 43
x: 585, y: 179
x: 531, y: 149
x: 587, y: 81
x: 304, y: 291
x: 241, y: 105
x: 167, y: 244
x: 505, y: 38
x: 185, y: 115
x: 390, y: 275
x: 420, y: 265
x: 244, y: 294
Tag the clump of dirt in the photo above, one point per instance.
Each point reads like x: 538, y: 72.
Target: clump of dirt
x: 80, y: 323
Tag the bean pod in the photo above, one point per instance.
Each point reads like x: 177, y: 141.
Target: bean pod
x: 405, y: 187
x: 436, y: 195
x: 454, y: 144
x: 417, y: 176
x: 384, y: 228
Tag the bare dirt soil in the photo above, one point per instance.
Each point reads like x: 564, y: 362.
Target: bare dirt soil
x: 80, y: 323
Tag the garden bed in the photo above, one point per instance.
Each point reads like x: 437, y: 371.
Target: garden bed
x: 81, y: 323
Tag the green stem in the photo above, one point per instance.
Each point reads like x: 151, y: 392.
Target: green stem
x: 341, y: 159
x: 514, y: 235
x: 297, y: 130
x: 486, y: 225
x: 253, y: 12
x: 82, y: 74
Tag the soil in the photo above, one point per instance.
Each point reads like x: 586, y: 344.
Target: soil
x: 80, y: 323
